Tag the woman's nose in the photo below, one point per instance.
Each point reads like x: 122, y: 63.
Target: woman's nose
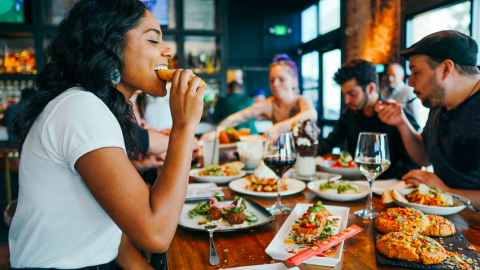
x: 167, y: 52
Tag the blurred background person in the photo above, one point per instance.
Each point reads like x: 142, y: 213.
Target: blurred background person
x: 285, y: 106
x: 402, y: 93
x: 235, y: 101
x: 259, y: 95
x: 13, y: 110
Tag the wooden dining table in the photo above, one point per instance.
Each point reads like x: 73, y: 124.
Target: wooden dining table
x: 190, y: 249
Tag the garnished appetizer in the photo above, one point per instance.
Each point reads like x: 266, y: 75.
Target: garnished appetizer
x: 313, y: 226
x: 344, y: 161
x: 216, y: 209
x: 264, y: 179
x: 339, y: 188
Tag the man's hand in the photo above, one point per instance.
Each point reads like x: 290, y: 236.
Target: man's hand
x: 391, y: 112
x: 417, y: 177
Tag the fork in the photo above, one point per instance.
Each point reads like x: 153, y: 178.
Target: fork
x: 213, y: 259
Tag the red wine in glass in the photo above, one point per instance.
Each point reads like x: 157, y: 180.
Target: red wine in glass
x: 280, y: 165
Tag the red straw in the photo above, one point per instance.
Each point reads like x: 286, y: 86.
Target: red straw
x: 324, y: 245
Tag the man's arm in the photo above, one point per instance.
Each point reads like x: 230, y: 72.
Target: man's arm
x: 417, y: 177
x: 392, y: 114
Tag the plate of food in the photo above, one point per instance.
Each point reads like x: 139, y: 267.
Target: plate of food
x: 341, y: 191
x: 307, y: 225
x: 343, y: 165
x: 219, y: 174
x: 229, y: 215
x: 426, y: 199
x: 263, y: 182
x: 407, y: 237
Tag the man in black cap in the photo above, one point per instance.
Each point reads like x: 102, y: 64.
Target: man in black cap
x: 446, y: 80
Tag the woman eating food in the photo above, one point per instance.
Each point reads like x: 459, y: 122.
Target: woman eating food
x: 78, y: 190
x: 283, y: 109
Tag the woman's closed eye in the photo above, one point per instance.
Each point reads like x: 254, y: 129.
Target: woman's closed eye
x: 154, y: 42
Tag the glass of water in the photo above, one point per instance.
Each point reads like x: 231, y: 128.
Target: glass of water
x: 372, y: 158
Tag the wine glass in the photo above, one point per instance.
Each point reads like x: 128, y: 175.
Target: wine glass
x: 279, y: 156
x: 372, y: 158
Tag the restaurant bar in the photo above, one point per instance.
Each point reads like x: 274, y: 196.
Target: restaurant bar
x: 239, y: 134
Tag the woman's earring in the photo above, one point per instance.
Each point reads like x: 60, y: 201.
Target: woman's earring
x: 115, y: 77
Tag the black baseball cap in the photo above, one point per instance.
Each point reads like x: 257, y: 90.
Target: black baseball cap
x: 453, y: 45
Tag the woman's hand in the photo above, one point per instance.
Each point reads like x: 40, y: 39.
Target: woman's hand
x: 186, y: 100
x: 272, y: 129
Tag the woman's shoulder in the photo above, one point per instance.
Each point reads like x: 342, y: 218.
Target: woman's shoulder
x: 76, y: 97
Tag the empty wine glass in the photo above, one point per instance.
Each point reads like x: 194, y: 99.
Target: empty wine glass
x: 372, y: 158
x: 279, y: 156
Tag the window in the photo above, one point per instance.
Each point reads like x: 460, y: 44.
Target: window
x: 310, y: 76
x: 453, y: 17
x: 331, y: 62
x: 199, y: 14
x: 326, y: 130
x: 309, y: 24
x: 328, y: 16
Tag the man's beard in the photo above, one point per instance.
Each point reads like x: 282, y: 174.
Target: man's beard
x: 364, y: 102
x: 436, y: 98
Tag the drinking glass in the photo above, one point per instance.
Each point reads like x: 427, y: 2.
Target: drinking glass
x: 372, y: 158
x: 279, y: 156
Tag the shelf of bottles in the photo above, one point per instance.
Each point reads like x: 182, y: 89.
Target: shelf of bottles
x: 202, y: 54
x: 10, y: 92
x: 17, y: 54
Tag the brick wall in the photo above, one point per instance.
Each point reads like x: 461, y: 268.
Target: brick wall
x: 373, y: 30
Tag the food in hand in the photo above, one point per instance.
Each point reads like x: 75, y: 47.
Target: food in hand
x: 229, y: 135
x: 411, y: 246
x: 163, y: 73
x: 227, y: 169
x: 215, y: 209
x: 313, y: 226
x: 340, y: 187
x: 264, y: 179
x: 439, y: 226
x: 401, y: 219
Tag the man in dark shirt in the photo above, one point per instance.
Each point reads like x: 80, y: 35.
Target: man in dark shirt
x: 235, y: 101
x: 359, y: 82
x: 447, y: 81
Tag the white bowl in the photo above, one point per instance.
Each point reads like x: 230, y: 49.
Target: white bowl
x: 433, y: 210
x: 214, y: 179
x: 315, y: 187
x: 346, y: 173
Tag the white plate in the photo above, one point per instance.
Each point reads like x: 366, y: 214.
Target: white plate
x: 294, y: 186
x: 364, y: 190
x: 278, y: 249
x: 379, y: 186
x: 316, y: 177
x: 272, y: 266
x: 264, y: 217
x: 346, y: 173
x: 202, y: 191
x: 214, y: 179
x: 434, y: 210
x: 222, y: 145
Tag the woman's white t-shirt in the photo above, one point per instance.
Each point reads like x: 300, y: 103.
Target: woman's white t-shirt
x: 58, y: 223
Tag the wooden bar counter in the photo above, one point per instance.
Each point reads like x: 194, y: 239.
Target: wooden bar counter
x: 190, y: 250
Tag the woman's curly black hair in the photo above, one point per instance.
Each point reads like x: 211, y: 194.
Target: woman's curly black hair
x: 87, y: 48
